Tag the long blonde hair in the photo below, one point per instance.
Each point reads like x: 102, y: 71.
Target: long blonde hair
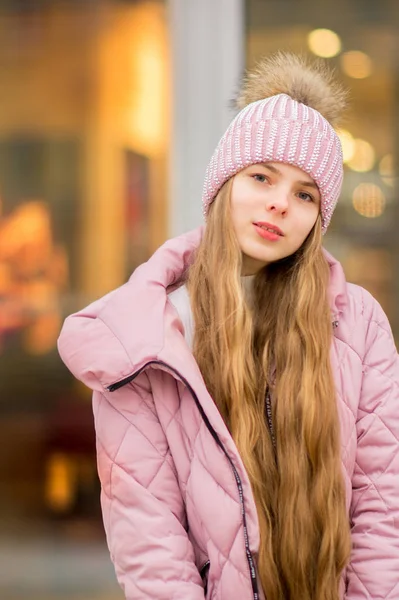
x: 281, y: 342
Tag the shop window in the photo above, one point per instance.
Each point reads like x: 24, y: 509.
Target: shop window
x: 83, y: 201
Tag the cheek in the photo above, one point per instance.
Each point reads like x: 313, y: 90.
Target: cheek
x: 239, y: 212
x: 243, y: 204
x: 239, y: 209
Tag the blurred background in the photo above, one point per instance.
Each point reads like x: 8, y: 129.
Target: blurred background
x: 109, y: 113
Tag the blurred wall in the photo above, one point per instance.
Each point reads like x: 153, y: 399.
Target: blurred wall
x: 207, y: 47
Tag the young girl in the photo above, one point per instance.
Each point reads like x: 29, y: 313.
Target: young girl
x: 246, y: 396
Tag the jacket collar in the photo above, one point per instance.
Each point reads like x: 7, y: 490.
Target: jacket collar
x: 158, y: 331
x: 169, y: 264
x: 337, y: 289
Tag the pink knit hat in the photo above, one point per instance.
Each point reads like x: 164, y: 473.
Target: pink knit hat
x: 279, y: 129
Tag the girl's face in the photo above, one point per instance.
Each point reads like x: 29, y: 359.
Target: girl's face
x: 274, y: 207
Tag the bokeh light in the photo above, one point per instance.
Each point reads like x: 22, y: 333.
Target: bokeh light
x: 368, y: 200
x: 324, y: 42
x: 347, y: 143
x: 363, y: 157
x: 387, y: 170
x: 356, y: 64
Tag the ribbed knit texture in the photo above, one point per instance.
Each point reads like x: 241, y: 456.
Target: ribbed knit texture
x: 280, y: 129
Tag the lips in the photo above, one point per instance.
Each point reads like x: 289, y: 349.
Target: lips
x: 269, y: 227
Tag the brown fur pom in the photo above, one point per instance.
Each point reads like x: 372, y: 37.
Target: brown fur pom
x: 312, y: 84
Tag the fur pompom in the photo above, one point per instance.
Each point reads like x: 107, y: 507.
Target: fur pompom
x: 312, y: 84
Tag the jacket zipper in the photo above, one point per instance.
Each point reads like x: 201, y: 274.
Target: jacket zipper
x: 203, y: 574
x: 204, y: 567
x: 250, y: 560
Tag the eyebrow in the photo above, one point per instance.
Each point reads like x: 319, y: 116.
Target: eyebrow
x: 307, y: 183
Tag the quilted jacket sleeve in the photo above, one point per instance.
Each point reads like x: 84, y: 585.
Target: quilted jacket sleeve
x: 374, y: 569
x: 142, y: 506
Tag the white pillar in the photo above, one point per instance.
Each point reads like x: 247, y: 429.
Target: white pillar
x: 208, y: 57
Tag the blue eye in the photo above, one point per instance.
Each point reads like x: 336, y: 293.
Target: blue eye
x: 259, y: 177
x: 305, y: 196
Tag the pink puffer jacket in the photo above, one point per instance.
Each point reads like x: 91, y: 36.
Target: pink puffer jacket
x: 177, y: 504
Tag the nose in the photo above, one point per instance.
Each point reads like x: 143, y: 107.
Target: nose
x: 278, y: 201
